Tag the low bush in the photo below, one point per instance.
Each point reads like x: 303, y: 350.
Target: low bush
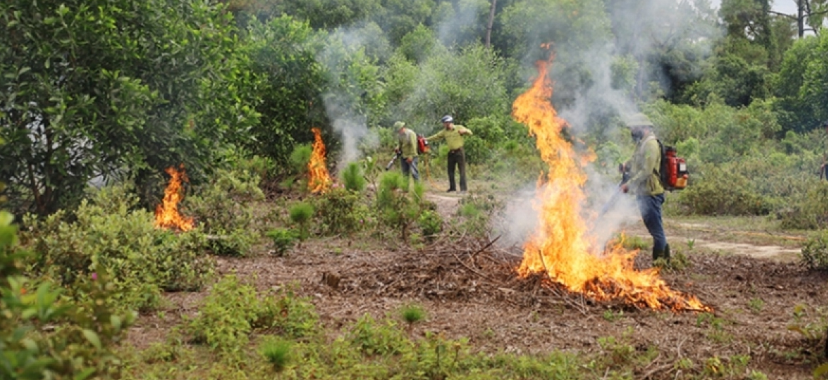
x: 399, y: 207
x: 723, y: 192
x: 811, y: 212
x: 352, y: 177
x: 109, y: 234
x: 815, y: 251
x: 342, y: 211
x: 82, y: 348
x: 301, y: 214
x: 225, y: 209
x: 282, y: 239
x: 431, y: 224
x: 233, y: 310
x: 299, y: 158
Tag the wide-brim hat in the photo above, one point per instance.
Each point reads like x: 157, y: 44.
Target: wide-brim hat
x: 399, y: 124
x: 638, y: 120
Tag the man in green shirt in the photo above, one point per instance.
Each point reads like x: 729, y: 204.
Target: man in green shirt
x: 645, y: 181
x: 454, y: 139
x: 408, y: 150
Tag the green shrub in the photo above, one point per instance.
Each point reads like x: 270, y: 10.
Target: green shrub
x: 232, y: 310
x: 397, y: 206
x: 352, y: 177
x: 373, y: 338
x: 815, y: 251
x: 342, y: 211
x: 723, y: 192
x: 811, y: 212
x: 81, y: 348
x: 283, y: 239
x: 431, y: 223
x: 476, y: 211
x: 301, y: 214
x: 299, y: 158
x: 107, y: 233
x: 224, y: 208
x: 412, y: 314
x: 277, y: 353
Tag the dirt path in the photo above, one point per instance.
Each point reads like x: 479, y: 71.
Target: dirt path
x: 698, y: 236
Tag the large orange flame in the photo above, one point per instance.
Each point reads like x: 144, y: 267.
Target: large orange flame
x: 320, y: 180
x: 561, y: 245
x: 166, y: 213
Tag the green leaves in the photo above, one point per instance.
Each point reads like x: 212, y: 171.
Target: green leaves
x: 112, y: 86
x: 92, y: 337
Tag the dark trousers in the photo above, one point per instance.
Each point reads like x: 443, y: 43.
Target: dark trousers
x: 457, y: 158
x: 650, y: 207
x: 411, y: 169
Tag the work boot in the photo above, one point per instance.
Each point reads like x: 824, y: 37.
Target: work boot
x: 667, y: 253
x: 450, y: 190
x: 657, y: 253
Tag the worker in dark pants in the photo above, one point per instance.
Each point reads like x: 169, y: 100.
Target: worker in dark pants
x: 456, y: 157
x: 645, y: 181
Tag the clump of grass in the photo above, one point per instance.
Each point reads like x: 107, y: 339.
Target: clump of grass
x: 678, y: 263
x: 412, y: 314
x: 277, y: 352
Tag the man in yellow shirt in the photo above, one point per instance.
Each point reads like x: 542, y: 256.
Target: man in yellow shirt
x: 456, y: 158
x: 645, y: 181
x: 408, y: 150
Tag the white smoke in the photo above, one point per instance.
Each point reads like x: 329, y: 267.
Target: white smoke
x: 343, y: 101
x: 651, y: 26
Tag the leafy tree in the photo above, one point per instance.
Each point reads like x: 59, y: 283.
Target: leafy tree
x: 795, y: 112
x: 668, y: 39
x: 399, y: 17
x: 468, y: 83
x: 320, y: 14
x: 751, y: 20
x: 289, y: 84
x: 102, y: 88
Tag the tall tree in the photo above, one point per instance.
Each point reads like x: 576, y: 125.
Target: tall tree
x: 96, y: 88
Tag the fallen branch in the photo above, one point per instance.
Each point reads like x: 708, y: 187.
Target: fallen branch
x: 486, y: 246
x: 473, y: 271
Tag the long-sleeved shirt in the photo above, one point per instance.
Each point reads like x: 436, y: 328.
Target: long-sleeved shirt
x: 645, y: 167
x: 453, y: 138
x: 408, y: 144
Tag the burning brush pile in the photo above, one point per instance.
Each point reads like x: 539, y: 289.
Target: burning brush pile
x: 561, y: 246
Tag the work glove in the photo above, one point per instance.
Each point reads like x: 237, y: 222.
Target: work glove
x: 409, y: 160
x: 625, y: 188
x: 621, y: 167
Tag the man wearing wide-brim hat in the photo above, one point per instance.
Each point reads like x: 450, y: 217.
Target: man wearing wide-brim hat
x: 645, y: 181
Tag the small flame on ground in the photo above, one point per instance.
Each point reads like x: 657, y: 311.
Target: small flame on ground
x: 166, y: 213
x: 561, y: 245
x: 320, y: 180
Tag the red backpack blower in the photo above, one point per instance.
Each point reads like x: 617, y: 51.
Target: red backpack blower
x: 673, y: 173
x: 422, y: 144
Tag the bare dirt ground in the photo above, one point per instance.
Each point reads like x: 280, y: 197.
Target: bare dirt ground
x: 470, y: 289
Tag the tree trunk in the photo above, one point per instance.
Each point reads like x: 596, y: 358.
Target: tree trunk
x: 489, y: 26
x: 800, y: 17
